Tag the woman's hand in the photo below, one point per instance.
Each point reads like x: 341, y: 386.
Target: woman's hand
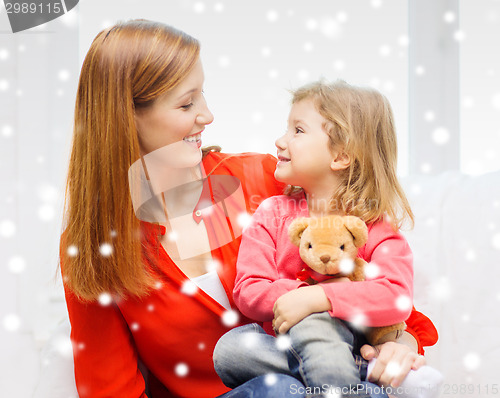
x: 394, y: 361
x: 292, y: 307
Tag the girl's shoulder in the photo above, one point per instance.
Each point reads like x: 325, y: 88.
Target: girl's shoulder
x: 285, y: 206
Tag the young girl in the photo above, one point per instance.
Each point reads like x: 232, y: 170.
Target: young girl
x: 338, y: 156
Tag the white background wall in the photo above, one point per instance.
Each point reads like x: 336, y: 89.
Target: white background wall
x: 253, y: 52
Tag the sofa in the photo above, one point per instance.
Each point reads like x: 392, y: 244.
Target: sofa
x: 456, y: 244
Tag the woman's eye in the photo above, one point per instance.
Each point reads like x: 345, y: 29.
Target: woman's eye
x: 310, y: 246
x: 187, y: 106
x: 297, y: 130
x: 342, y: 247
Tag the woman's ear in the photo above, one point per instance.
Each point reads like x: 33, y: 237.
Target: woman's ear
x: 340, y: 160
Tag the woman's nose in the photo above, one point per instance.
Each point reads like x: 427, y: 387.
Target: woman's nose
x: 205, y: 116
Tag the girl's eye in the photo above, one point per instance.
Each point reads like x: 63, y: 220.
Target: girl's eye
x: 342, y: 247
x: 297, y: 130
x: 310, y: 246
x: 187, y: 106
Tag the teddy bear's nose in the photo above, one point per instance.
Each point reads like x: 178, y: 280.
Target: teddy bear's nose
x: 325, y: 258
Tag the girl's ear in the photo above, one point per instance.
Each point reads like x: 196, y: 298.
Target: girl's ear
x: 340, y: 160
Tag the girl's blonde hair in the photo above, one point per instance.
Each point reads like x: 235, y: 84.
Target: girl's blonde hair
x: 127, y: 66
x: 360, y: 121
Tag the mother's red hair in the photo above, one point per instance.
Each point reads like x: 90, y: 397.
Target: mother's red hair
x: 127, y: 66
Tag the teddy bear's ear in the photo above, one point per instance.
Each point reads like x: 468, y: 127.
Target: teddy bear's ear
x: 357, y: 228
x: 296, y: 228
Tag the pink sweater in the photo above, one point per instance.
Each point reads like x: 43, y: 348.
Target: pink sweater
x: 268, y: 263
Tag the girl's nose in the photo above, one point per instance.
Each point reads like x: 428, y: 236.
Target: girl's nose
x: 280, y: 142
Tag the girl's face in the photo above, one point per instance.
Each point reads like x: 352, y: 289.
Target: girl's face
x: 304, y: 154
x: 175, y: 121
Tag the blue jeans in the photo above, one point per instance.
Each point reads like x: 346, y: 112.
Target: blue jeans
x: 268, y: 386
x: 247, y: 352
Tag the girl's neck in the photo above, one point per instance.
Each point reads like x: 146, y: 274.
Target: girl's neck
x: 320, y: 203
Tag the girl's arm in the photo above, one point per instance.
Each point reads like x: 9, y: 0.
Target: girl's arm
x: 259, y: 283
x: 386, y: 296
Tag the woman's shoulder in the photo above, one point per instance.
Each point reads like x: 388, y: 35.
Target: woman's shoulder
x: 221, y: 161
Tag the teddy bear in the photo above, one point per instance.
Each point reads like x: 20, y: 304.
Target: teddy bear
x: 329, y: 248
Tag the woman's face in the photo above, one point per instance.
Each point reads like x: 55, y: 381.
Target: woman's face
x: 176, y: 121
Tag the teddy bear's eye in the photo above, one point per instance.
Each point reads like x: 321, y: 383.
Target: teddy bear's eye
x: 310, y: 246
x: 342, y: 247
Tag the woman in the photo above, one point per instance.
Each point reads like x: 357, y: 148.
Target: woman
x: 148, y: 274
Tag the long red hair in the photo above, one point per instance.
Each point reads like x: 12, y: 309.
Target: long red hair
x: 127, y: 66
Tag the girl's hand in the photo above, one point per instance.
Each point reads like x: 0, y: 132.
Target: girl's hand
x: 394, y: 361
x: 295, y: 305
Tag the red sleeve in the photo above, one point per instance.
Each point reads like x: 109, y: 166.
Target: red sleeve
x: 422, y: 329
x: 258, y: 283
x: 104, y: 355
x: 385, y: 297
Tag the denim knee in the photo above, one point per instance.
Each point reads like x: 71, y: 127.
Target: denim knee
x: 269, y: 386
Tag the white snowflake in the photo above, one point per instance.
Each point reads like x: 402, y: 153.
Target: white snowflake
x: 4, y: 54
x: 219, y: 7
x: 46, y: 212
x: 63, y: 346
x: 224, y: 61
x: 106, y: 249
x: 64, y: 75
x: 230, y: 318
x: 330, y: 28
x: 7, y: 228
x: 201, y: 346
x: 339, y: 65
x: 72, y: 251
x: 134, y: 326
x: 470, y: 255
x: 311, y: 24
x: 105, y: 299
x: 393, y: 369
x: 495, y: 241
x: 181, y: 369
x: 4, y: 85
x: 372, y: 270
x: 404, y: 41
x: 469, y: 102
x: 199, y: 7
x: 244, y: 219
x: 283, y: 342
x: 150, y: 307
x: 273, y: 74
x: 272, y: 16
x: 403, y: 303
x: 425, y: 168
x: 359, y: 321
x: 11, y: 322
x: 441, y: 288
x: 270, y: 379
x: 459, y: 35
x: 440, y: 136
x: 419, y: 70
x: 376, y: 3
x: 495, y: 101
x: 189, y: 288
x: 385, y: 50
x: 342, y: 16
x: 346, y: 265
x: 7, y: 131
x: 449, y: 17
x: 17, y: 264
x: 471, y: 361
x: 429, y: 116
x: 266, y: 51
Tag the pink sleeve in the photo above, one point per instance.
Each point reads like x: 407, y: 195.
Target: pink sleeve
x: 386, y: 296
x: 258, y: 283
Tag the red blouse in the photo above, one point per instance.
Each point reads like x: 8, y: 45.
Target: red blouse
x: 174, y: 329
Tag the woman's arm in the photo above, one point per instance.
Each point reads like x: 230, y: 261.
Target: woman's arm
x: 394, y: 360
x: 104, y: 356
